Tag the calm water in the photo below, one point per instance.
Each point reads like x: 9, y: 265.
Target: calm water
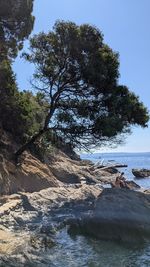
x: 133, y: 160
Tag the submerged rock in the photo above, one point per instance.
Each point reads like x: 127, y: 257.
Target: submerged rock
x: 141, y: 173
x: 119, y: 215
x: 38, y: 242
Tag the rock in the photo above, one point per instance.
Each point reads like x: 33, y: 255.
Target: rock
x: 133, y: 185
x: 58, y: 196
x: 141, y: 173
x: 105, y: 176
x: 11, y: 242
x: 87, y: 162
x: 11, y: 167
x: 56, y: 169
x: 30, y: 222
x: 31, y: 175
x: 38, y: 242
x: 130, y: 185
x: 119, y: 215
x: 111, y: 170
x: 147, y: 191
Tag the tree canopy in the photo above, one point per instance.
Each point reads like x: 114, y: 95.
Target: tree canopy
x: 77, y: 73
x: 16, y: 113
x: 16, y: 23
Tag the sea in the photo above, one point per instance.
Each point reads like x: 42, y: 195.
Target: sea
x: 132, y: 160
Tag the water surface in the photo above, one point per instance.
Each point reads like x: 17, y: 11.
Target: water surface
x: 133, y: 160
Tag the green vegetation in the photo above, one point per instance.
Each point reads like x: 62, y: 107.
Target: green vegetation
x: 16, y: 23
x: 21, y: 113
x: 17, y: 110
x: 79, y: 101
x: 77, y: 73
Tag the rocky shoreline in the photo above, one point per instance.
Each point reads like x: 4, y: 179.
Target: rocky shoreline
x: 30, y: 222
x: 40, y: 199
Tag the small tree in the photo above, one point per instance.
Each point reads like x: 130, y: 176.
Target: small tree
x: 77, y: 73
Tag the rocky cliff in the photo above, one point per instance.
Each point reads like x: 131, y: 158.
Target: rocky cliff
x: 31, y: 174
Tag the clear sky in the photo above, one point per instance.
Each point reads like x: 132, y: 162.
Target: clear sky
x: 126, y: 28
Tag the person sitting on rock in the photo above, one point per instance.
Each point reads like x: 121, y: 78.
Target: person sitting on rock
x: 117, y: 182
x: 121, y: 182
x: 122, y: 176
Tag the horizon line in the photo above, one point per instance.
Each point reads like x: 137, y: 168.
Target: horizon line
x: 116, y: 152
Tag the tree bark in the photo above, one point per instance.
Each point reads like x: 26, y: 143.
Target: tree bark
x: 41, y: 132
x: 27, y: 144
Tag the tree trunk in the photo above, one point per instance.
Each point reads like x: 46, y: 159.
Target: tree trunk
x: 30, y: 142
x: 36, y: 136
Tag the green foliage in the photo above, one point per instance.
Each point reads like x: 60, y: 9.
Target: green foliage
x: 77, y: 74
x: 32, y: 114
x: 16, y: 23
x: 8, y: 92
x: 19, y: 112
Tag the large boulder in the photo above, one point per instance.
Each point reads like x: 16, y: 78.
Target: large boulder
x: 141, y: 173
x: 119, y: 215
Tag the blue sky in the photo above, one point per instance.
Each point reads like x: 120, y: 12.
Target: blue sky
x: 125, y: 25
